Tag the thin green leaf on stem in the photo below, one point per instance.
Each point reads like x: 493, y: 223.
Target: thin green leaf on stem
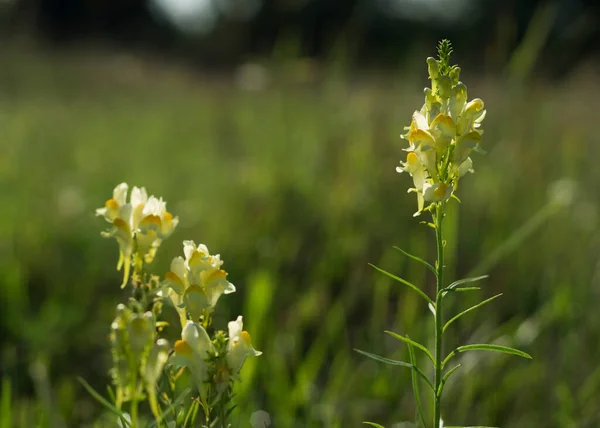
x: 472, y: 308
x: 462, y: 289
x: 463, y: 281
x: 415, y: 383
x: 418, y: 259
x: 104, y: 401
x: 487, y: 347
x: 397, y: 363
x: 446, y: 377
x: 405, y: 282
x: 373, y: 424
x: 412, y: 342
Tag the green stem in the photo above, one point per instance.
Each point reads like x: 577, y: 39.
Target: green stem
x: 134, y: 404
x: 439, y: 217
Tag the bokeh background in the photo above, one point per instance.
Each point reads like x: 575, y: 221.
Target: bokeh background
x: 272, y: 128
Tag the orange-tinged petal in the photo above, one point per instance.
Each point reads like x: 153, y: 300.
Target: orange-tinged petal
x: 183, y: 348
x: 422, y: 138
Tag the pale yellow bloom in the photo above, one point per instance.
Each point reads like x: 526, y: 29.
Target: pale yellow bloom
x: 140, y: 224
x: 192, y: 351
x: 198, y: 280
x: 442, y: 135
x: 240, y: 345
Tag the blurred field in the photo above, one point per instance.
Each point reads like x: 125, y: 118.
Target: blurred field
x: 295, y: 186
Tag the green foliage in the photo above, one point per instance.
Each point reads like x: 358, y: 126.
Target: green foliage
x: 296, y: 184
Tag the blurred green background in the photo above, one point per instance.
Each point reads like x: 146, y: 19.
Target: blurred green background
x: 285, y: 165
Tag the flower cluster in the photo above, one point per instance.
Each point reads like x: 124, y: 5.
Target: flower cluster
x: 196, y: 282
x: 194, y: 285
x: 139, y: 226
x: 442, y: 134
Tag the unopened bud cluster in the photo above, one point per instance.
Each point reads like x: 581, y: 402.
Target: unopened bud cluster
x: 442, y: 134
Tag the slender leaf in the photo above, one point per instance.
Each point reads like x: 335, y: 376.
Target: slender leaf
x: 174, y: 404
x: 412, y: 342
x: 496, y: 348
x: 373, y: 424
x: 397, y: 363
x: 472, y: 308
x: 464, y: 281
x: 104, y: 401
x: 418, y: 259
x: 461, y: 289
x: 415, y: 383
x: 445, y: 378
x: 405, y: 282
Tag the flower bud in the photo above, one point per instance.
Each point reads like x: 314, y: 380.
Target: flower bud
x: 455, y: 74
x: 444, y: 86
x: 141, y: 332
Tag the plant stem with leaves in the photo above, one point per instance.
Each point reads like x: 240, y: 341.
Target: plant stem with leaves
x: 442, y: 135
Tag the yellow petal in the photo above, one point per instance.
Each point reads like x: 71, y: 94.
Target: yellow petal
x: 421, y: 138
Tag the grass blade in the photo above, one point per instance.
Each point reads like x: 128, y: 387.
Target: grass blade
x: 405, y: 282
x: 496, y: 348
x: 418, y: 259
x: 472, y: 308
x: 103, y: 401
x: 5, y: 409
x: 412, y: 342
x: 415, y: 384
x: 397, y: 363
x: 373, y: 424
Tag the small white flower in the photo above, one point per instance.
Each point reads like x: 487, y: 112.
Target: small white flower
x: 239, y: 346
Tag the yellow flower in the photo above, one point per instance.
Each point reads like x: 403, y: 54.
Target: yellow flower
x: 442, y: 135
x: 192, y: 351
x: 239, y: 346
x: 415, y: 168
x: 141, y: 224
x: 197, y: 280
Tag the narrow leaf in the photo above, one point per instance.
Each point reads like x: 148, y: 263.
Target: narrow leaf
x: 460, y: 289
x: 103, y: 401
x: 397, y: 363
x: 465, y: 281
x: 412, y: 342
x: 418, y: 259
x: 445, y: 378
x: 174, y: 404
x: 497, y: 348
x: 373, y: 424
x: 405, y: 282
x: 472, y: 308
x: 415, y: 383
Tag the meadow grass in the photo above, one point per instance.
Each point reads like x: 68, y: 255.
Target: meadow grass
x: 296, y: 184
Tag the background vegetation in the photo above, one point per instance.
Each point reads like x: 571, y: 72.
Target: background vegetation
x: 287, y: 169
